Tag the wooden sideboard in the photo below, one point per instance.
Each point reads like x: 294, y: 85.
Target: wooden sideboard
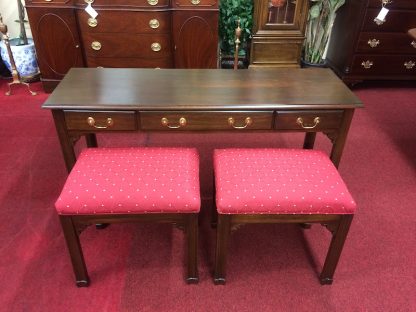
x: 126, y: 33
x: 361, y: 49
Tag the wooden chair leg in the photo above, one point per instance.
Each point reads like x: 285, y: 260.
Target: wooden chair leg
x: 75, y: 251
x: 192, y: 248
x: 335, y: 249
x: 223, y: 233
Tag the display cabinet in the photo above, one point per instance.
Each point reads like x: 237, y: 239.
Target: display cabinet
x: 278, y: 32
x: 363, y: 47
x: 125, y: 33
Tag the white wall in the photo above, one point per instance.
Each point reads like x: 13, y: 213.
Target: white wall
x: 8, y: 10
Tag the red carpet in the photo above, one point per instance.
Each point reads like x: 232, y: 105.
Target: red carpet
x: 139, y: 267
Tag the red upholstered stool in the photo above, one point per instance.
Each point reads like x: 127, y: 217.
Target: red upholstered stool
x: 280, y: 186
x: 114, y: 185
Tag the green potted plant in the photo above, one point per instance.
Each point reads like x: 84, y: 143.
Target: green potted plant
x: 23, y: 50
x: 232, y: 11
x: 321, y: 18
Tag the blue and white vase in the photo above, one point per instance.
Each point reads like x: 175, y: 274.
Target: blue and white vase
x: 24, y: 57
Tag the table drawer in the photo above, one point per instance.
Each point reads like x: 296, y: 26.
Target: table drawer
x: 153, y: 120
x: 308, y: 120
x: 104, y: 121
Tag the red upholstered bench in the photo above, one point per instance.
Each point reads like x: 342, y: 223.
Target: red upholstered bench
x: 280, y: 186
x: 114, y: 185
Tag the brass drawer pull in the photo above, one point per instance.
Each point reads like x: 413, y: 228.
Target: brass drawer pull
x: 48, y: 0
x: 367, y: 64
x: 373, y: 43
x: 316, y: 121
x: 95, y: 45
x: 409, y: 65
x: 152, y: 2
x: 247, y: 122
x: 156, y: 47
x: 413, y: 44
x: 165, y: 122
x: 195, y: 2
x: 92, y: 22
x: 109, y: 123
x: 154, y: 23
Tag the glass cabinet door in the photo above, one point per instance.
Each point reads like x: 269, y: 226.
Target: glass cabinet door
x: 281, y: 12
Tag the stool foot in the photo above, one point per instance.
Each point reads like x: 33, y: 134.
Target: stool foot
x: 83, y: 283
x: 219, y: 281
x: 192, y: 280
x: 101, y: 226
x: 326, y: 281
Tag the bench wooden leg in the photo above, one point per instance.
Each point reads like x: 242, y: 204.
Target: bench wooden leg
x: 335, y: 249
x: 223, y: 233
x: 192, y: 248
x: 75, y: 251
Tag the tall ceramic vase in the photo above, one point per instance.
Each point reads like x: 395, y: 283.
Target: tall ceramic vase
x: 24, y: 57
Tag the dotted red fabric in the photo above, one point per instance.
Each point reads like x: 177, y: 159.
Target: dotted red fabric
x: 279, y: 181
x: 132, y: 180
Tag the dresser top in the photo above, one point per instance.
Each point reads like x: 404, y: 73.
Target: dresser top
x: 200, y: 89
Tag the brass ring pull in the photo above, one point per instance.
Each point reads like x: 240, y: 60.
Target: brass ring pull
x: 154, y: 23
x: 247, y: 122
x: 95, y: 45
x: 156, y: 47
x: 373, y: 43
x: 316, y: 121
x: 195, y: 2
x: 92, y: 22
x: 152, y: 2
x: 165, y: 123
x: 108, y: 123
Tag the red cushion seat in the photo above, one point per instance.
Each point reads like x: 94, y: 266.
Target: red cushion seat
x: 132, y: 180
x: 279, y: 181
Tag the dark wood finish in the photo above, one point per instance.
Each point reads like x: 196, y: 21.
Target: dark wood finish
x: 206, y: 98
x: 72, y: 226
x: 357, y: 39
x: 339, y: 225
x: 126, y: 31
x: 276, y: 43
x: 126, y: 120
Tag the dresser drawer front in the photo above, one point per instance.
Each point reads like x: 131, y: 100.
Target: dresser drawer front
x: 153, y: 120
x: 101, y: 121
x: 386, y: 43
x: 394, y: 4
x: 308, y: 120
x: 126, y: 22
x: 127, y: 45
x: 50, y: 2
x: 395, y: 21
x: 130, y: 62
x: 368, y: 64
x: 129, y: 3
x: 195, y: 4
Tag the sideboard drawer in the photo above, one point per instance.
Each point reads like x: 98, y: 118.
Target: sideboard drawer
x: 395, y: 21
x: 195, y: 3
x: 394, y: 4
x: 309, y: 120
x: 105, y: 121
x: 384, y: 64
x: 390, y: 43
x: 115, y: 21
x: 154, y: 120
x: 129, y: 62
x: 129, y: 3
x: 127, y: 45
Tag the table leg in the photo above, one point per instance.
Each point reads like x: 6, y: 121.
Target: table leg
x: 309, y: 140
x: 91, y: 139
x: 65, y: 139
x: 341, y: 137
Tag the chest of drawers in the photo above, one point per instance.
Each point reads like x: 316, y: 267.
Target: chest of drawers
x: 363, y: 49
x: 125, y: 33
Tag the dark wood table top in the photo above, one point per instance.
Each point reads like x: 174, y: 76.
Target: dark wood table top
x: 201, y: 89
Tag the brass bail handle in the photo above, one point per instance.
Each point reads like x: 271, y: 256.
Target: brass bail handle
x: 165, y: 122
x: 108, y: 123
x: 316, y: 121
x: 247, y: 122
